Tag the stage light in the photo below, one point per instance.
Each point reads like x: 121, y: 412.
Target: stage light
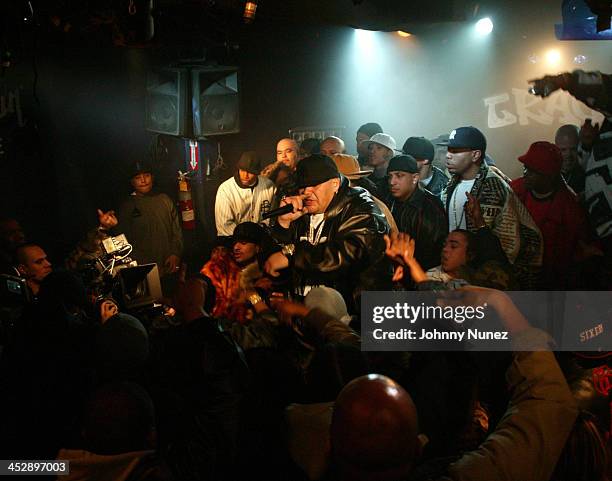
x: 250, y: 8
x: 553, y: 57
x: 580, y: 59
x: 363, y: 35
x: 364, y: 40
x: 403, y: 34
x: 484, y: 26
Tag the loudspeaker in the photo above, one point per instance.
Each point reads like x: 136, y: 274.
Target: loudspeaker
x: 165, y: 104
x: 216, y: 101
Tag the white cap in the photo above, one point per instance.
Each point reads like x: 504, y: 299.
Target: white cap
x: 383, y: 139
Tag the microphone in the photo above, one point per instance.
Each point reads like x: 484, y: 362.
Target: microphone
x: 286, y: 209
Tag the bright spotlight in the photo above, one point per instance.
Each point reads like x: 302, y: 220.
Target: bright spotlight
x: 484, y: 26
x: 403, y: 34
x: 364, y: 40
x: 363, y: 34
x: 553, y: 57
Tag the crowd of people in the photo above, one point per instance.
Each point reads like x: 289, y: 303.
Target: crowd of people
x: 251, y: 365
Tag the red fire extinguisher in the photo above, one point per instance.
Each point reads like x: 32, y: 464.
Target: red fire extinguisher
x: 186, y: 202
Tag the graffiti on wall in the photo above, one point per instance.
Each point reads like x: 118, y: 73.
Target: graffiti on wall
x: 524, y: 109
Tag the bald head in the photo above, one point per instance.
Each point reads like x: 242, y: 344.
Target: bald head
x: 374, y: 430
x: 287, y: 151
x: 566, y: 138
x: 33, y: 264
x: 332, y: 145
x: 570, y: 131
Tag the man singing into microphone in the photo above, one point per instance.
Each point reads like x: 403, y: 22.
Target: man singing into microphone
x: 334, y: 237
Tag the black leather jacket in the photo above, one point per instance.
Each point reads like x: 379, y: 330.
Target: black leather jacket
x: 423, y: 217
x: 438, y: 181
x: 350, y: 256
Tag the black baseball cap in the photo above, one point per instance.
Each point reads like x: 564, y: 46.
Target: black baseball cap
x: 419, y: 148
x: 406, y: 163
x: 248, y: 232
x: 140, y: 167
x: 249, y: 161
x: 466, y: 138
x: 314, y: 170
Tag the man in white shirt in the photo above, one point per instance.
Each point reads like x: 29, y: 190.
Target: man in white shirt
x: 243, y: 197
x: 502, y: 211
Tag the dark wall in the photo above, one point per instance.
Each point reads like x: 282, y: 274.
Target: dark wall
x: 73, y: 154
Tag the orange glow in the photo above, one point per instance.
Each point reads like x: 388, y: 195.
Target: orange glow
x: 249, y: 11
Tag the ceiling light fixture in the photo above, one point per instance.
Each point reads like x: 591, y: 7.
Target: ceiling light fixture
x: 250, y: 8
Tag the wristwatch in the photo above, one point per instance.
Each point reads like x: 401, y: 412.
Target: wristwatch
x: 288, y: 250
x: 255, y: 299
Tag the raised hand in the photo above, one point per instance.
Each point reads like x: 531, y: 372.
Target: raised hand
x: 400, y: 248
x: 107, y: 220
x: 588, y: 133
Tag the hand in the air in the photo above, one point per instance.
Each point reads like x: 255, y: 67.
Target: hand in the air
x: 107, y: 219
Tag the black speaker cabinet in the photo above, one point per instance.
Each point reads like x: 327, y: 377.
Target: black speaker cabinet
x: 166, y: 107
x: 216, y: 101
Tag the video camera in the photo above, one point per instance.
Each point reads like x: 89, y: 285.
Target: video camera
x: 114, y: 274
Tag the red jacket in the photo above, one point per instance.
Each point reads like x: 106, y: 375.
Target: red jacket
x: 563, y: 224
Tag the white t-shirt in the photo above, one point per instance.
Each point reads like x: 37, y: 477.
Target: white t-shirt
x: 456, y: 211
x: 314, y: 237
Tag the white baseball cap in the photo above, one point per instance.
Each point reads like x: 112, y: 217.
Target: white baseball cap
x: 382, y: 139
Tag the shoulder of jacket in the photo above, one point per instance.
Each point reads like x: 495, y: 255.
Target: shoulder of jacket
x: 164, y: 198
x: 494, y: 182
x: 265, y: 181
x: 359, y: 198
x: 227, y: 184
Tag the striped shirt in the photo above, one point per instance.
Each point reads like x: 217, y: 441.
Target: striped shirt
x: 236, y: 204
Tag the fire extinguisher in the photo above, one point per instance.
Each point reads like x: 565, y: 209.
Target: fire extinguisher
x: 186, y: 202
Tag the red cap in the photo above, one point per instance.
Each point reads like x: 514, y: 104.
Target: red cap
x: 543, y: 157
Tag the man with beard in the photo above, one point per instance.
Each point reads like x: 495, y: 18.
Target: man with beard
x: 287, y: 154
x: 334, y: 236
x: 246, y: 243
x: 243, y: 197
x: 416, y: 211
